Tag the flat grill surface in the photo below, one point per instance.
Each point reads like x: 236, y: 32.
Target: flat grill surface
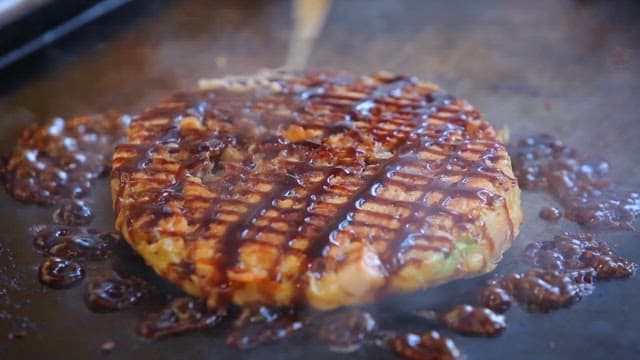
x: 568, y: 68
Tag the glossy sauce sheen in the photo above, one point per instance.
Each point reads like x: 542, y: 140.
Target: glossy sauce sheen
x: 73, y: 212
x: 565, y: 270
x: 80, y: 243
x: 60, y: 159
x: 347, y: 331
x: 470, y: 320
x: 60, y: 273
x: 315, y: 187
x: 111, y: 292
x: 568, y: 252
x: 550, y: 213
x: 257, y: 326
x: 426, y: 346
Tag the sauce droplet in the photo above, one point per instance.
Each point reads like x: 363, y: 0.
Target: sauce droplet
x: 74, y: 242
x: 179, y: 316
x: 59, y: 273
x: 495, y: 298
x: 550, y: 213
x: 73, y: 212
x: 347, y: 331
x: 111, y: 292
x: 476, y: 321
x: 426, y: 346
x: 261, y: 325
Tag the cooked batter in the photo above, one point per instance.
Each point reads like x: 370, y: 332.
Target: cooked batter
x: 314, y: 187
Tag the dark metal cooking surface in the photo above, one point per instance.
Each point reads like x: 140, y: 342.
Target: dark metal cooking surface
x: 571, y: 68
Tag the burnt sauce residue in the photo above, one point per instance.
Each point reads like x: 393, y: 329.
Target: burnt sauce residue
x: 543, y: 162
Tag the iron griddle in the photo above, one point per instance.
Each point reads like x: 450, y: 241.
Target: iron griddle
x: 570, y: 68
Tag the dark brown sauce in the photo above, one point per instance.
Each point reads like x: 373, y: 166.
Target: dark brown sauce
x: 426, y: 346
x: 543, y: 162
x: 111, y: 292
x: 257, y: 326
x: 476, y: 321
x: 495, y: 298
x: 59, y: 273
x: 73, y: 212
x: 347, y: 331
x: 565, y: 270
x: 60, y: 159
x: 181, y: 315
x: 580, y: 251
x: 546, y: 290
x: 74, y: 242
x: 550, y: 213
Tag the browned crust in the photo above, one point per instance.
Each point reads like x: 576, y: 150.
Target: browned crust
x: 412, y: 189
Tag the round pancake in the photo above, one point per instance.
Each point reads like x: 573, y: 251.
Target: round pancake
x: 314, y: 187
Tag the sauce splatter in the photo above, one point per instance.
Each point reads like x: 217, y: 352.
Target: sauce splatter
x: 543, y: 162
x: 60, y: 273
x: 257, y: 326
x: 550, y: 213
x: 73, y: 212
x: 426, y: 346
x: 111, y: 292
x: 78, y: 243
x: 60, y: 159
x: 346, y: 331
x: 181, y: 315
x: 476, y: 321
